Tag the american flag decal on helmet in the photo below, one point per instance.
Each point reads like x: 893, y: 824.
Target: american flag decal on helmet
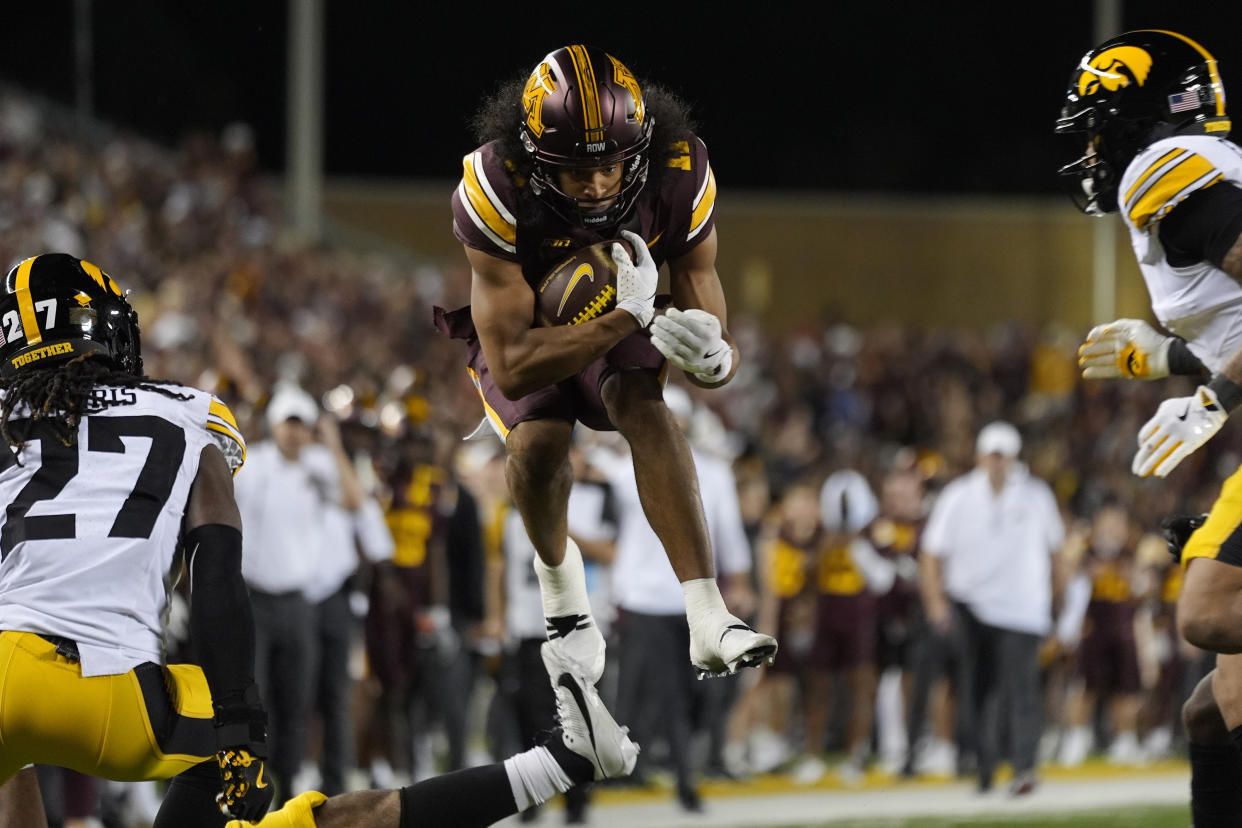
x: 1183, y: 101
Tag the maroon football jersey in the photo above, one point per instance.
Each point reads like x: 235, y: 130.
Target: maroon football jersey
x: 1113, y: 602
x: 492, y: 212
x: 893, y: 538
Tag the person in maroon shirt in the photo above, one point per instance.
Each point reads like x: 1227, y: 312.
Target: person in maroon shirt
x: 573, y: 153
x: 895, y: 535
x: 1108, y: 657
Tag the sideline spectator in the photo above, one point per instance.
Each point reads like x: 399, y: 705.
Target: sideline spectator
x: 403, y: 616
x: 987, y: 572
x: 1108, y: 658
x: 847, y: 575
x: 895, y: 534
x: 283, y: 492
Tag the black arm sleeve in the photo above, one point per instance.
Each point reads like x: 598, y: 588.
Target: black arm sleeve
x: 1204, y: 227
x: 221, y: 621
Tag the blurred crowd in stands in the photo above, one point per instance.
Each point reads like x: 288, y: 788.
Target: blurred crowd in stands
x: 229, y: 302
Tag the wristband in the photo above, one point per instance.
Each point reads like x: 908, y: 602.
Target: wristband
x: 1227, y: 392
x: 1182, y: 360
x: 241, y: 721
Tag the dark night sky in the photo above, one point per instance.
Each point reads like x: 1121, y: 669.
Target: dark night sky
x: 951, y: 97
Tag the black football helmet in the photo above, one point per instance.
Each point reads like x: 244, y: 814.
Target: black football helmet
x: 584, y: 108
x: 56, y: 307
x: 1126, y: 93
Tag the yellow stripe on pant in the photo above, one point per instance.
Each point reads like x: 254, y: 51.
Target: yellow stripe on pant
x: 1211, y: 539
x: 102, y: 725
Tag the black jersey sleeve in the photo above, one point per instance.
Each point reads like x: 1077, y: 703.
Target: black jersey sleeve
x: 1204, y: 227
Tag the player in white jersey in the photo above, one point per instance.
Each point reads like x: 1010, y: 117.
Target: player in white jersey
x: 1151, y: 108
x: 105, y: 476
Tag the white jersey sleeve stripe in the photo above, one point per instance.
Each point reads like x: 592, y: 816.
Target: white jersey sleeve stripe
x: 486, y: 209
x: 704, y: 204
x: 1159, y: 163
x: 1184, y: 177
x: 479, y: 222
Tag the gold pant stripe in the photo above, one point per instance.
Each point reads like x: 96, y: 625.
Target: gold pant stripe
x: 1223, y: 521
x: 102, y: 725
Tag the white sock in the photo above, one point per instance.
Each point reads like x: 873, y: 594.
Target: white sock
x: 702, y: 599
x: 535, y: 777
x: 890, y: 714
x: 563, y: 587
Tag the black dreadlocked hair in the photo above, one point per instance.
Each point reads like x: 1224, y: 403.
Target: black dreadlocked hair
x: 62, y: 394
x: 501, y: 114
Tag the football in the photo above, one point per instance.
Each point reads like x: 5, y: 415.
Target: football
x: 581, y: 288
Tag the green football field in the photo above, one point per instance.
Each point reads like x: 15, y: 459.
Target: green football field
x: 1149, y: 817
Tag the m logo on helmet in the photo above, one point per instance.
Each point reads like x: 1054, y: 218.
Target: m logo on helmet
x: 1114, y: 68
x: 626, y: 80
x: 539, y: 85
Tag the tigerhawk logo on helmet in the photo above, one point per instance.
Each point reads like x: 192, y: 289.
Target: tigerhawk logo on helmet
x: 1113, y: 69
x: 1126, y: 93
x: 584, y: 109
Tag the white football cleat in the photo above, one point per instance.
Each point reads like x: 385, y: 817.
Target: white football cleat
x: 577, y: 639
x: 725, y: 644
x: 587, y: 728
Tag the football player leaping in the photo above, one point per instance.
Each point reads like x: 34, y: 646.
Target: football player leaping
x: 576, y: 153
x: 1150, y: 108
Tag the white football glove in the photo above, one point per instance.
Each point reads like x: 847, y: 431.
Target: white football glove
x: 1128, y: 348
x: 1180, y: 426
x: 691, y: 340
x: 636, y: 279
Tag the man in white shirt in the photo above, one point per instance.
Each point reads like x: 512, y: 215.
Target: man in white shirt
x: 284, y: 497
x: 353, y: 524
x: 987, y: 573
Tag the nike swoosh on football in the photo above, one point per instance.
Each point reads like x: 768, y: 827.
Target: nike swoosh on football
x: 583, y: 270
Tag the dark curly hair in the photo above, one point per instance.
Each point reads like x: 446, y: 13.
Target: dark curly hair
x: 501, y: 114
x: 62, y: 394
